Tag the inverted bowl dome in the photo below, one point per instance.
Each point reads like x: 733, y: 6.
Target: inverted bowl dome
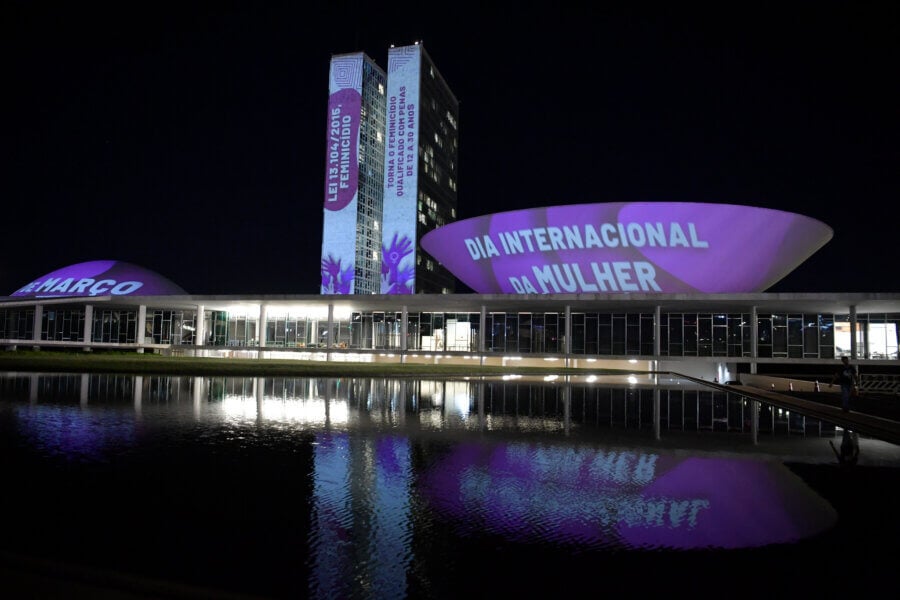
x: 100, y: 278
x: 665, y: 247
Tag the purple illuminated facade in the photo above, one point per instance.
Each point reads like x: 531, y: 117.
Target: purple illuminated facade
x: 354, y: 151
x: 665, y: 247
x: 401, y: 171
x: 390, y: 174
x: 99, y: 278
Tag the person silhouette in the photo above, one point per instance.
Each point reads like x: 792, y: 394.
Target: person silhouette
x: 848, y: 378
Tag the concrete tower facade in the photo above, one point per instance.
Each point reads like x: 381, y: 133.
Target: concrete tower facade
x: 420, y: 176
x: 354, y: 167
x: 392, y: 143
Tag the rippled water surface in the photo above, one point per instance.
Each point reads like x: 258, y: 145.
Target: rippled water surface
x: 377, y: 488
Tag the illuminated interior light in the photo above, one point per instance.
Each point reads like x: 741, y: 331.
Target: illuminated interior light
x: 341, y: 313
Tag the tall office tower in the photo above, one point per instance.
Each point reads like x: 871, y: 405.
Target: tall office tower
x: 420, y: 171
x: 354, y: 176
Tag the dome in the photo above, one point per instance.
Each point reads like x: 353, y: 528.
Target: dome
x: 99, y: 278
x: 668, y: 247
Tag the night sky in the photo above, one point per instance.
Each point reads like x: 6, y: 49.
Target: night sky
x: 188, y: 138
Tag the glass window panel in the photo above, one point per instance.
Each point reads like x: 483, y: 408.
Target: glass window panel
x: 618, y: 334
x: 591, y: 334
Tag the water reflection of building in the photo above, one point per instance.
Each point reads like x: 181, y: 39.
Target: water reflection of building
x: 379, y: 461
x: 565, y: 405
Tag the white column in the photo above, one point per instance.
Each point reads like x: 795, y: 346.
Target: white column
x: 754, y: 338
x: 88, y: 326
x: 328, y: 337
x: 657, y: 337
x: 657, y: 331
x: 142, y: 327
x: 404, y: 331
x: 261, y: 326
x: 854, y: 351
x: 567, y: 333
x: 482, y: 333
x: 199, y: 327
x: 329, y: 333
x: 38, y: 322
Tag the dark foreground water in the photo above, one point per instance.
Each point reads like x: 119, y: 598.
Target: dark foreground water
x: 116, y: 486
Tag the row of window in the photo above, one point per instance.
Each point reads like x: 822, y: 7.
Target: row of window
x: 592, y: 333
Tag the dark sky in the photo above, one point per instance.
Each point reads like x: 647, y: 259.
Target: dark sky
x: 188, y: 137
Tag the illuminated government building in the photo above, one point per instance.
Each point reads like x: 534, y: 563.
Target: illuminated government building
x: 390, y: 173
x: 651, y: 286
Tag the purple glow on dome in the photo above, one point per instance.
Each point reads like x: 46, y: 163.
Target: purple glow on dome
x: 652, y: 247
x: 99, y: 278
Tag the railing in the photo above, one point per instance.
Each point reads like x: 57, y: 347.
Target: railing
x: 879, y: 384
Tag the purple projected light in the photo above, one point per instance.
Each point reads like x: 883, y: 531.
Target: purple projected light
x: 620, y: 498
x: 76, y: 434
x: 342, y: 169
x: 100, y: 278
x: 654, y: 247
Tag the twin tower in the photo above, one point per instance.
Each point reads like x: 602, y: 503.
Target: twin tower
x: 392, y: 142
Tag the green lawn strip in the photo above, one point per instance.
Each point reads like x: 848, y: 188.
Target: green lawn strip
x: 138, y: 364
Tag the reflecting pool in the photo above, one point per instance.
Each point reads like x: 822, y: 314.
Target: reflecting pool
x: 395, y: 488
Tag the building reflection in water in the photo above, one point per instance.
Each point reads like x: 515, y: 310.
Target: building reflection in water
x: 541, y: 462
